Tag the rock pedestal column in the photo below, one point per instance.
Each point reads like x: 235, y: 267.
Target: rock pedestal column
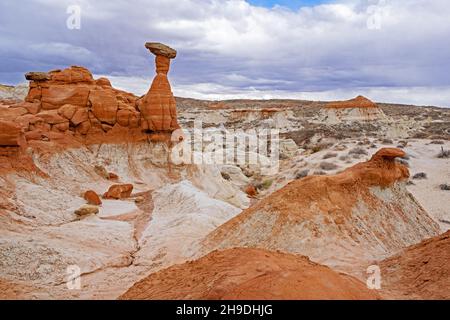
x: 158, y: 106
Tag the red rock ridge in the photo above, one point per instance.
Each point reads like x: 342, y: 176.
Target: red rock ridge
x: 249, y: 274
x: 344, y: 220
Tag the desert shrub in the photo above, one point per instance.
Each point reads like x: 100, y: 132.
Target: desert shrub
x: 420, y: 175
x: 437, y: 142
x: 301, y: 174
x: 319, y: 173
x: 364, y: 142
x: 264, y: 185
x: 387, y: 141
x: 445, y: 186
x: 444, y: 153
x: 403, y: 161
x: 340, y: 147
x: 330, y: 155
x: 328, y: 166
x: 225, y: 175
x: 319, y: 146
x: 358, y: 150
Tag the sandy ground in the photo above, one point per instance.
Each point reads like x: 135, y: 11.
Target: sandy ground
x: 427, y: 192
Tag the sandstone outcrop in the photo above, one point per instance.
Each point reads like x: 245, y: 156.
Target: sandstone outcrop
x: 158, y: 106
x: 72, y: 101
x: 361, y: 214
x: 9, y: 134
x: 254, y: 274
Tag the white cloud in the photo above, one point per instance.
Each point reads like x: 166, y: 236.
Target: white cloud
x: 235, y: 48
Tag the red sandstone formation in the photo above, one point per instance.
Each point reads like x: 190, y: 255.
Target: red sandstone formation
x: 422, y: 271
x: 72, y: 101
x: 158, y: 106
x: 119, y: 191
x: 361, y: 214
x: 358, y: 102
x: 244, y: 274
x: 92, y: 198
x: 69, y: 103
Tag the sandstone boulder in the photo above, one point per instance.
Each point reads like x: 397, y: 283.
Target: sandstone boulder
x: 92, y: 198
x: 119, y: 191
x: 159, y: 49
x: 250, y: 190
x: 86, y: 210
x: 37, y: 76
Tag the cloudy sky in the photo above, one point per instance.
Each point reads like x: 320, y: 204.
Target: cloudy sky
x: 389, y: 50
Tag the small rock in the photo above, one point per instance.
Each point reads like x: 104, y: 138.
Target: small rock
x: 92, y: 198
x: 420, y: 175
x: 250, y: 190
x: 302, y: 174
x: 101, y: 171
x: 119, y: 191
x: 86, y: 210
x: 113, y: 176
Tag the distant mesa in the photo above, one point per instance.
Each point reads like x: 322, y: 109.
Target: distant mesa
x: 358, y: 102
x: 359, y: 109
